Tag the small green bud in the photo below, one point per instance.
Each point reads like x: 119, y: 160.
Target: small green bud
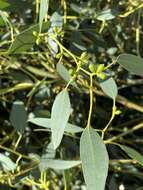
x: 71, y: 72
x: 101, y: 75
x: 100, y: 68
x: 35, y: 33
x: 74, y: 77
x: 83, y: 55
x: 38, y: 41
x: 58, y: 55
x: 92, y: 68
x: 118, y: 112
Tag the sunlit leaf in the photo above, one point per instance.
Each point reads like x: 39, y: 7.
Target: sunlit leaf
x: 18, y: 116
x: 46, y: 123
x: 109, y: 87
x: 44, y: 4
x: 94, y: 159
x: 61, y: 110
x: 133, y: 154
x: 7, y: 163
x: 108, y: 14
x: 131, y: 63
x: 58, y: 164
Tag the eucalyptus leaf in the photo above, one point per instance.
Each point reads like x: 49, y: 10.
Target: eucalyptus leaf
x: 46, y: 123
x: 44, y: 4
x: 94, y: 159
x: 61, y: 110
x: 131, y: 63
x: 109, y: 87
x: 58, y: 164
x: 108, y: 14
x: 25, y: 40
x: 18, y: 116
x: 65, y: 74
x: 7, y: 163
x: 133, y: 154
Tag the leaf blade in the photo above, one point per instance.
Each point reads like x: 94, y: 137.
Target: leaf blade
x: 131, y: 63
x: 59, y: 116
x: 44, y: 4
x: 109, y: 87
x: 46, y: 123
x: 132, y: 153
x: 94, y: 160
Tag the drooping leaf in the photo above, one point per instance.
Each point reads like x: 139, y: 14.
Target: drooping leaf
x: 44, y: 4
x: 65, y: 74
x: 109, y: 87
x: 133, y: 154
x: 46, y: 123
x: 25, y: 40
x: 7, y: 163
x: 94, y: 159
x: 58, y: 164
x: 18, y: 116
x: 59, y: 117
x: 131, y: 63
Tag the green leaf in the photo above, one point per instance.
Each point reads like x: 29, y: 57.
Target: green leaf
x: 131, y: 63
x: 109, y: 87
x: 108, y: 14
x: 4, y: 4
x: 25, y: 40
x: 58, y: 164
x: 18, y: 116
x: 63, y: 72
x: 132, y: 153
x: 44, y: 4
x: 94, y: 159
x: 45, y: 122
x: 61, y: 110
x: 7, y: 163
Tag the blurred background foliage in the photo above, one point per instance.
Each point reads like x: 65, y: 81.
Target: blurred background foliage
x: 28, y: 74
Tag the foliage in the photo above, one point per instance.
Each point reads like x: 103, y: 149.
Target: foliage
x: 71, y: 94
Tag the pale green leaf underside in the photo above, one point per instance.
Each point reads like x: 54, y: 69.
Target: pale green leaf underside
x: 94, y: 159
x: 109, y: 87
x: 133, y: 154
x: 63, y: 72
x: 58, y: 164
x: 7, y: 163
x: 131, y: 63
x: 46, y: 123
x: 59, y: 117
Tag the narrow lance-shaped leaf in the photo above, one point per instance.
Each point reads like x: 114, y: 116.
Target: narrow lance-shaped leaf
x: 109, y: 87
x: 46, y: 122
x: 18, y: 116
x: 59, y: 117
x: 133, y: 154
x: 44, y: 4
x: 94, y: 159
x: 131, y: 63
x: 58, y: 164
